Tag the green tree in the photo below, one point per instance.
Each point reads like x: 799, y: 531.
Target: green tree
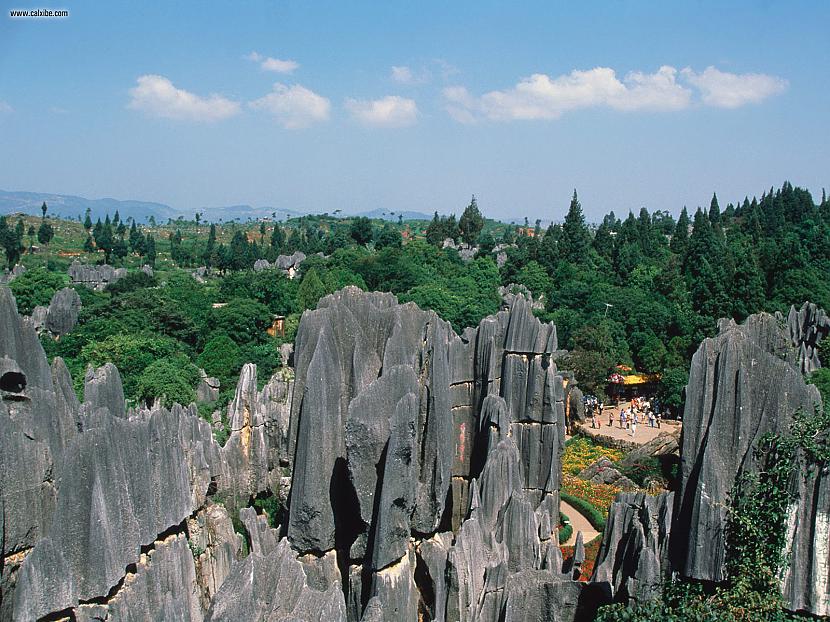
x: 173, y: 379
x: 471, y: 222
x: 311, y: 290
x: 575, y: 241
x: 87, y: 221
x: 389, y: 236
x: 241, y: 319
x: 361, y: 230
x: 533, y: 276
x: 45, y: 233
x: 680, y: 238
x: 35, y: 287
x: 43, y: 209
x: 221, y: 357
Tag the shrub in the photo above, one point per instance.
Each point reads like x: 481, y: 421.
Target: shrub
x: 35, y: 287
x: 594, y: 516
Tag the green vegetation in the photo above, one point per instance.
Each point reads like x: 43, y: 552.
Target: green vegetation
x: 565, y: 528
x: 756, y: 533
x: 641, y: 290
x: 594, y: 515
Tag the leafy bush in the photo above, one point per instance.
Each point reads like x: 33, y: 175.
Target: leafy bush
x: 565, y: 528
x: 581, y: 452
x: 35, y: 287
x: 172, y: 379
x: 587, y: 509
x: 131, y: 282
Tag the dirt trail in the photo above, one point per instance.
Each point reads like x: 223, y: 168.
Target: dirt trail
x: 579, y: 523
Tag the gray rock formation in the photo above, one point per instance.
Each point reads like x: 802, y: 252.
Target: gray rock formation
x: 634, y: 555
x: 62, y: 315
x: 740, y: 388
x: 603, y: 471
x: 807, y: 326
x: 94, y: 277
x: 103, y: 389
x: 664, y: 444
x: 208, y: 388
x: 7, y: 277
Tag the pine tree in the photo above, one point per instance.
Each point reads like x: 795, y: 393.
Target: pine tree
x: 150, y: 251
x: 311, y: 290
x: 43, y: 209
x: 471, y: 223
x: 576, y: 239
x: 87, y: 221
x: 714, y: 211
x: 680, y: 238
x: 277, y: 238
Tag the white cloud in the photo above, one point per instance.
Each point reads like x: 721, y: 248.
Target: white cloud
x: 461, y: 106
x: 731, y: 90
x: 389, y: 111
x: 157, y: 96
x: 294, y: 106
x: 543, y: 97
x: 273, y: 64
x: 405, y: 75
x: 5, y: 107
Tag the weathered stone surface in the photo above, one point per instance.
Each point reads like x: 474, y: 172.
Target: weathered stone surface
x: 95, y: 277
x: 273, y: 588
x: 540, y: 595
x: 806, y: 580
x: 807, y: 327
x: 664, y: 444
x: 603, y: 472
x: 62, y: 315
x: 215, y: 547
x: 103, y: 389
x: 634, y: 555
x: 739, y: 389
x: 163, y: 586
x: 208, y: 388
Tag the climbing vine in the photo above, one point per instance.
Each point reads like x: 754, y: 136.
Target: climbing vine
x: 756, y: 537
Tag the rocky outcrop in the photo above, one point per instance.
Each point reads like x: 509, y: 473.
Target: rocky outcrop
x: 634, y: 555
x: 7, y: 277
x: 288, y: 264
x: 664, y: 444
x: 62, y: 314
x: 603, y: 471
x: 393, y: 420
x: 807, y: 327
x: 208, y: 388
x: 94, y: 276
x: 271, y: 585
x: 741, y: 386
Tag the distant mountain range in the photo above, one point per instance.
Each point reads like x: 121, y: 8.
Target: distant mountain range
x: 70, y: 206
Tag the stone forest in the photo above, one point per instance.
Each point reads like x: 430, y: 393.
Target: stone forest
x: 346, y: 419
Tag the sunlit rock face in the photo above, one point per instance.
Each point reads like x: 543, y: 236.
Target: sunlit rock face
x: 741, y: 386
x: 419, y: 469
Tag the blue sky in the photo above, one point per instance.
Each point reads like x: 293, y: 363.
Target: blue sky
x: 405, y: 105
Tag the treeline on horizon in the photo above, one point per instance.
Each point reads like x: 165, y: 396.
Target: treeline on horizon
x: 642, y: 290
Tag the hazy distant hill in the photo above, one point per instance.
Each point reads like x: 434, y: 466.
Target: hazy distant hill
x: 69, y: 206
x: 244, y: 212
x: 384, y: 214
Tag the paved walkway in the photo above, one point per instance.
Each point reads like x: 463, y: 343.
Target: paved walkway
x: 579, y: 523
x: 644, y: 432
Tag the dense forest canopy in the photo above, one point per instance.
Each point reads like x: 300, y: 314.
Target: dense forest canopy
x: 640, y: 290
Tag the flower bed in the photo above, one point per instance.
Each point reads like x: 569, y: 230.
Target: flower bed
x: 581, y: 452
x: 598, y: 495
x: 591, y: 552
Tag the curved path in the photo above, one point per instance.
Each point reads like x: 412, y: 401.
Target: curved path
x: 579, y: 523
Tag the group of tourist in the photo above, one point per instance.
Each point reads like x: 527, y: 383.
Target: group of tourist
x: 640, y: 410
